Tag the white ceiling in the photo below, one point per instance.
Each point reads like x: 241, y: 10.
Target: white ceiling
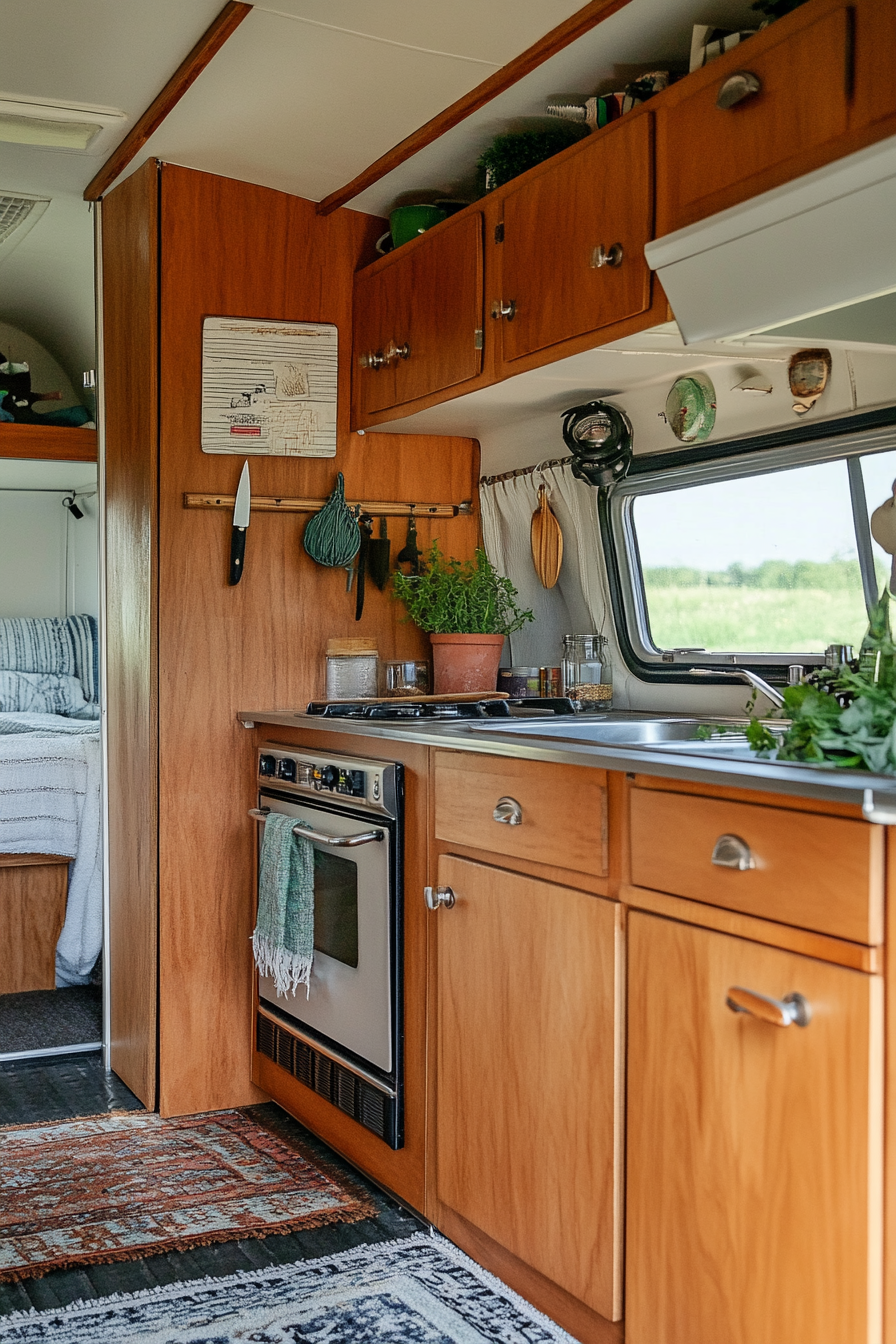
x: 304, y: 95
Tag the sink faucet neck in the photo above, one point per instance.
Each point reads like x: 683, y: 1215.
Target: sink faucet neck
x: 744, y: 675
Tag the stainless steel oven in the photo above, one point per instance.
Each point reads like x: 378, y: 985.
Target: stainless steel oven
x: 345, y: 1039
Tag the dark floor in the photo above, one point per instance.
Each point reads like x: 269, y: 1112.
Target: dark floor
x: 34, y: 1090
x: 29, y: 1092
x: 42, y: 1019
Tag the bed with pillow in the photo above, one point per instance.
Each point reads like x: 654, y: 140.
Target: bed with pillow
x: 50, y: 798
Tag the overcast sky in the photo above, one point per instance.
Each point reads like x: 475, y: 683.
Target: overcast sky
x: 801, y: 514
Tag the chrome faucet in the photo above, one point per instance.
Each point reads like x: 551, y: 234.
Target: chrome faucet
x: 741, y: 674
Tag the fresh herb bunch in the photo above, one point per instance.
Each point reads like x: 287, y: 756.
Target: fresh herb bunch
x: 843, y: 717
x: 460, y: 597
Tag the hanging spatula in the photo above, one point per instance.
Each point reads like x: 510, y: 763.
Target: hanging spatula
x: 547, y: 541
x: 379, y: 556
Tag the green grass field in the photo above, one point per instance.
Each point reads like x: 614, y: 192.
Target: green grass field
x: 755, y: 620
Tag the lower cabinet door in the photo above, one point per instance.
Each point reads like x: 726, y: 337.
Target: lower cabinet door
x: 528, y: 1134
x: 754, y: 1153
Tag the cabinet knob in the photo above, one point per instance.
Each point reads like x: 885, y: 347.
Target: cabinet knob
x: 737, y: 88
x: 508, y: 811
x: 395, y: 352
x: 373, y: 359
x: 607, y: 256
x: 501, y: 309
x: 777, y: 1012
x: 436, y: 896
x: 729, y: 851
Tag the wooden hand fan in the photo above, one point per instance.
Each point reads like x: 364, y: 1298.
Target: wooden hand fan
x: 883, y: 530
x: 547, y: 541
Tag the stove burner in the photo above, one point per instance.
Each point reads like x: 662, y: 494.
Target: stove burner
x: 442, y: 709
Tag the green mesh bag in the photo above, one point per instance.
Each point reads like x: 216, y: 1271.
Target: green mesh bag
x: 332, y: 537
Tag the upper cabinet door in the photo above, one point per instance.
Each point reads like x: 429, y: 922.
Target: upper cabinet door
x: 754, y: 1151
x: 442, y: 311
x: 418, y: 318
x: 560, y: 271
x: 753, y: 118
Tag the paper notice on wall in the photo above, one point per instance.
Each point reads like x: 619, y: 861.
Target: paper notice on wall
x: 269, y: 387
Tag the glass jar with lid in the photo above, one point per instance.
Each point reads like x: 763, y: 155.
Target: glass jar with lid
x: 351, y: 669
x: 587, y: 673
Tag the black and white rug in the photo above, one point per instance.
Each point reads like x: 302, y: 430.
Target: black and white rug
x: 421, y: 1290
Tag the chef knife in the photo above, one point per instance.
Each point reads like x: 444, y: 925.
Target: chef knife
x: 240, y: 523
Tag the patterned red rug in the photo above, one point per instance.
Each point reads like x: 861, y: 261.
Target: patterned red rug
x: 117, y: 1187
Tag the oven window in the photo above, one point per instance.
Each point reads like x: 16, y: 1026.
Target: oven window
x: 336, y: 907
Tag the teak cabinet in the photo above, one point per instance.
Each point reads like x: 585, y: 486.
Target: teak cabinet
x: 528, y: 1073
x: 754, y: 1153
x: 572, y: 260
x: 418, y: 318
x: 812, y: 87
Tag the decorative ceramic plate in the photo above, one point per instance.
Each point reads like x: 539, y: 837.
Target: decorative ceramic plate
x: 691, y: 408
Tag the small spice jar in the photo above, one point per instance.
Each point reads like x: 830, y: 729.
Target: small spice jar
x: 520, y: 683
x: 587, y: 674
x: 351, y: 669
x: 405, y: 678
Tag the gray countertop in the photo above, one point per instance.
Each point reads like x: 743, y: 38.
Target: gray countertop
x: 738, y: 768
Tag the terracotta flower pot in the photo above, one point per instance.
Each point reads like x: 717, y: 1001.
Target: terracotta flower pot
x: 463, y: 663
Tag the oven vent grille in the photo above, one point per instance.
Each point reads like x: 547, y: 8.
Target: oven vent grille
x: 330, y: 1080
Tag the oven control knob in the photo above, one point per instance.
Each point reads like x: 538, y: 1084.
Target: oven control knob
x: 286, y: 769
x: 329, y: 776
x: 267, y: 765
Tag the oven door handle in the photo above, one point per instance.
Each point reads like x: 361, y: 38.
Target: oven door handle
x: 335, y: 841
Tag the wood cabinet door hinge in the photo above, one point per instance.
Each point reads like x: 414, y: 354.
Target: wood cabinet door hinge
x: 477, y: 338
x: 499, y: 232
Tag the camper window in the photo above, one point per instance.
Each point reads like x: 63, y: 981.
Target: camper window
x: 755, y: 559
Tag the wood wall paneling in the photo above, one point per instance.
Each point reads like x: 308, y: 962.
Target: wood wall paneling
x: 232, y: 248
x: 130, y: 321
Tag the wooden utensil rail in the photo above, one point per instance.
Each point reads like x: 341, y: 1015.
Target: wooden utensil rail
x: 283, y: 504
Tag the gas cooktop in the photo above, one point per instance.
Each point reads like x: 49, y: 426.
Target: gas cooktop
x: 396, y: 710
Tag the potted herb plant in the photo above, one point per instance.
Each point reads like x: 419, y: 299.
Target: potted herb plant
x: 467, y: 609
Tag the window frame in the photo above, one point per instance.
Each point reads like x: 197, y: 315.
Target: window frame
x: 848, y: 439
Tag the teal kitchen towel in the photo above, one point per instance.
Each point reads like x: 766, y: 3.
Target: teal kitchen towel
x: 283, y: 941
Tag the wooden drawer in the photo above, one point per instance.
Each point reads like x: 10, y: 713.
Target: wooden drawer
x: 709, y: 158
x: 564, y: 809
x: 815, y: 872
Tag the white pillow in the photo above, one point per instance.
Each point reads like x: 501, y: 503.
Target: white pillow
x: 40, y: 693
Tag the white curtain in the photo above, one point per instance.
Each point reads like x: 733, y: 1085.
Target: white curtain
x: 578, y: 603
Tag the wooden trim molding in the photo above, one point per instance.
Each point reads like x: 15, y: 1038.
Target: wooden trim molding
x: 822, y: 946
x: 572, y: 28
x: 47, y: 443
x: 211, y: 42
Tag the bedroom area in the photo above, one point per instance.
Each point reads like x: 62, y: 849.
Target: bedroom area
x: 51, y: 863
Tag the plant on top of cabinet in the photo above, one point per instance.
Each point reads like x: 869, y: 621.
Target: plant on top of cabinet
x: 467, y: 608
x: 513, y: 153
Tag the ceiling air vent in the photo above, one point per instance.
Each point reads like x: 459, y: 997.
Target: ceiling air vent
x: 18, y: 214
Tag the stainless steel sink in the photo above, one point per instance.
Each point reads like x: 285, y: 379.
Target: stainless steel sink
x: 671, y: 733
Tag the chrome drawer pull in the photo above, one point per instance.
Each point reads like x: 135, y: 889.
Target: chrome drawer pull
x: 610, y: 256
x: 372, y: 359
x: 777, y: 1012
x: 501, y: 309
x: 436, y: 896
x: 508, y: 812
x: 334, y: 841
x: 729, y: 851
x: 737, y: 88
